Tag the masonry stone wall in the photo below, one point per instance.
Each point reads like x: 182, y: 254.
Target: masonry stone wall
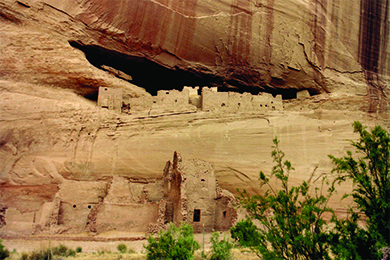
x: 234, y: 102
x: 193, y: 192
x: 110, y: 98
x: 187, y: 192
x: 189, y: 100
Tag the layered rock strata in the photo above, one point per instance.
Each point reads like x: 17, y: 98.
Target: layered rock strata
x: 54, y: 56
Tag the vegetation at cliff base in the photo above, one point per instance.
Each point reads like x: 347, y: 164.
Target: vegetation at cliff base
x: 292, y: 217
x: 173, y: 244
x: 290, y: 220
x: 370, y: 175
x: 4, y: 253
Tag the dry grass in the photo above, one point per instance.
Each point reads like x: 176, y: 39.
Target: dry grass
x: 105, y: 255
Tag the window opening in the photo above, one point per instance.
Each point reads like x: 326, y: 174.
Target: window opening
x: 196, y: 215
x: 224, y: 214
x: 202, y: 179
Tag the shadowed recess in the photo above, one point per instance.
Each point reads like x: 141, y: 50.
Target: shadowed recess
x: 154, y: 77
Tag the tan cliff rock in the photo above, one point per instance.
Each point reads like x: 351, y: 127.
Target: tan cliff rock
x: 54, y: 56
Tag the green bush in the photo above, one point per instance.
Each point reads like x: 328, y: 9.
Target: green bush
x: 245, y: 233
x: 38, y: 255
x: 122, y: 248
x: 291, y: 218
x: 131, y: 251
x: 79, y: 249
x: 64, y: 251
x: 60, y: 251
x: 173, y: 244
x: 220, y: 249
x: 371, y: 194
x: 4, y: 253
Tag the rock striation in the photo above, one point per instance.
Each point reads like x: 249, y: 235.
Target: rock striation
x: 259, y: 45
x: 329, y: 60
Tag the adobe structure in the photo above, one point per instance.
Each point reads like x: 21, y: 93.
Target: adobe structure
x: 193, y: 196
x: 110, y: 98
x: 187, y: 192
x: 188, y: 100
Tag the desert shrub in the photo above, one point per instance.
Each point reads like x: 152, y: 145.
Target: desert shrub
x: 173, y: 244
x: 24, y: 256
x: 371, y: 194
x: 4, y: 253
x: 122, y: 248
x: 131, y: 251
x: 38, y: 255
x: 79, y: 249
x: 64, y: 251
x: 245, y: 233
x: 291, y: 218
x: 220, y: 248
x: 59, y: 251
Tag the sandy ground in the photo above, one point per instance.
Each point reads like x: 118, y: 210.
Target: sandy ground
x: 107, y: 250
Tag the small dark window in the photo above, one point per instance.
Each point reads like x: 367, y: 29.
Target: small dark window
x: 89, y: 206
x: 224, y: 214
x: 196, y: 215
x: 74, y: 206
x: 105, y: 89
x: 261, y: 105
x: 239, y: 104
x: 154, y: 102
x: 202, y: 179
x: 223, y: 104
x: 175, y: 100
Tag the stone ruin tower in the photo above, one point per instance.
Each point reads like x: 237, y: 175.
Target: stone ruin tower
x: 193, y: 196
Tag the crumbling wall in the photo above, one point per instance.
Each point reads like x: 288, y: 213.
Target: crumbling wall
x: 166, y: 101
x: 234, y: 102
x: 77, y: 199
x: 199, y: 189
x: 110, y: 98
x: 188, y: 192
x: 128, y: 205
x: 194, y: 195
x: 194, y: 97
x: 175, y: 210
x: 126, y: 217
x: 213, y: 100
x: 225, y: 212
x: 189, y: 100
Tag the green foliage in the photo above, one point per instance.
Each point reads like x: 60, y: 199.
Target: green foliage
x: 122, y: 248
x: 175, y: 243
x: 47, y: 254
x: 4, y: 253
x: 79, y: 249
x: 37, y: 255
x: 131, y: 251
x: 371, y: 193
x: 245, y: 233
x: 292, y: 223
x: 221, y: 248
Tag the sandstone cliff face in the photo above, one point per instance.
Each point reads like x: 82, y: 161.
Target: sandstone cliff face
x: 269, y: 45
x: 54, y: 55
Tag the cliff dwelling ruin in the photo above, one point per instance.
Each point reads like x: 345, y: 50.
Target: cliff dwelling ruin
x: 187, y: 192
x: 188, y: 100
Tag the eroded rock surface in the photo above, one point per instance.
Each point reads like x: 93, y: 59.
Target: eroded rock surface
x: 54, y: 56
